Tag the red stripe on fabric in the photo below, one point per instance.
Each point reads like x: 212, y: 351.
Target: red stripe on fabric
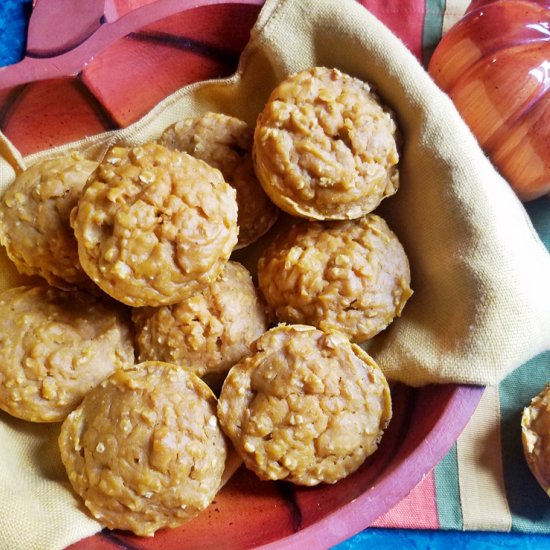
x: 404, y: 17
x: 416, y: 511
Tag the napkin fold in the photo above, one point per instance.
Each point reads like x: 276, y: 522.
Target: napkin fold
x: 480, y: 273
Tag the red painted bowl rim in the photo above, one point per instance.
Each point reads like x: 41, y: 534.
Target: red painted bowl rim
x: 389, y: 491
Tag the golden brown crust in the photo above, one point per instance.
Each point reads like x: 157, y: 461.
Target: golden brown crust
x: 144, y: 450
x: 208, y: 332
x: 55, y: 346
x: 34, y: 220
x: 325, y: 147
x: 225, y: 143
x: 306, y: 406
x: 350, y: 276
x: 154, y: 225
x: 535, y: 435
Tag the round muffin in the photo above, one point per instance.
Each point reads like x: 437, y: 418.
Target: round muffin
x: 352, y: 276
x: 325, y: 146
x: 305, y: 406
x: 225, y: 143
x: 55, y: 346
x: 208, y: 332
x: 144, y: 449
x: 535, y: 435
x: 35, y: 220
x: 154, y: 225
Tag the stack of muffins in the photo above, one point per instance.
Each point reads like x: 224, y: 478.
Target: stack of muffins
x: 152, y: 344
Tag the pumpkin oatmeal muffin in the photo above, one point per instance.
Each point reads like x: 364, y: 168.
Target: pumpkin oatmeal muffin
x: 325, y: 146
x: 55, y: 346
x: 306, y: 406
x: 535, y: 434
x: 34, y: 220
x: 144, y: 449
x: 208, y: 332
x: 225, y: 143
x: 154, y: 225
x: 352, y: 276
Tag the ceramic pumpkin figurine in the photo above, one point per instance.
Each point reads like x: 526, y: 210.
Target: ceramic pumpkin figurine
x: 495, y: 65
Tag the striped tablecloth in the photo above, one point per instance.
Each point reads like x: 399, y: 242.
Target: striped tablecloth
x: 483, y: 483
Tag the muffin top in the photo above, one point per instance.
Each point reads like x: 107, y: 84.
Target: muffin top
x: 35, y: 220
x: 325, y: 146
x: 306, y: 406
x: 208, y: 332
x: 55, y: 346
x: 352, y: 276
x: 154, y: 225
x: 535, y: 432
x: 144, y: 450
x: 225, y: 143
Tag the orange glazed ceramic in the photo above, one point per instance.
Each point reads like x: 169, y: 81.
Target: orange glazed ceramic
x: 495, y: 65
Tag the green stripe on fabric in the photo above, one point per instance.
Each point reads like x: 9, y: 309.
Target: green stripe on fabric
x: 539, y: 212
x: 529, y: 504
x: 447, y: 492
x: 433, y: 24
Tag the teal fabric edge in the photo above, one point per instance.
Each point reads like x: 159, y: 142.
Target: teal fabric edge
x: 432, y: 29
x: 539, y: 212
x: 447, y: 490
x: 529, y: 504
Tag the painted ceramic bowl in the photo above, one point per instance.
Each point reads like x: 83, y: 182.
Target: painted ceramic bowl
x: 91, y: 86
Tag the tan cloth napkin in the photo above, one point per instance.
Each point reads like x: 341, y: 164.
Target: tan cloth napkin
x: 480, y: 273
